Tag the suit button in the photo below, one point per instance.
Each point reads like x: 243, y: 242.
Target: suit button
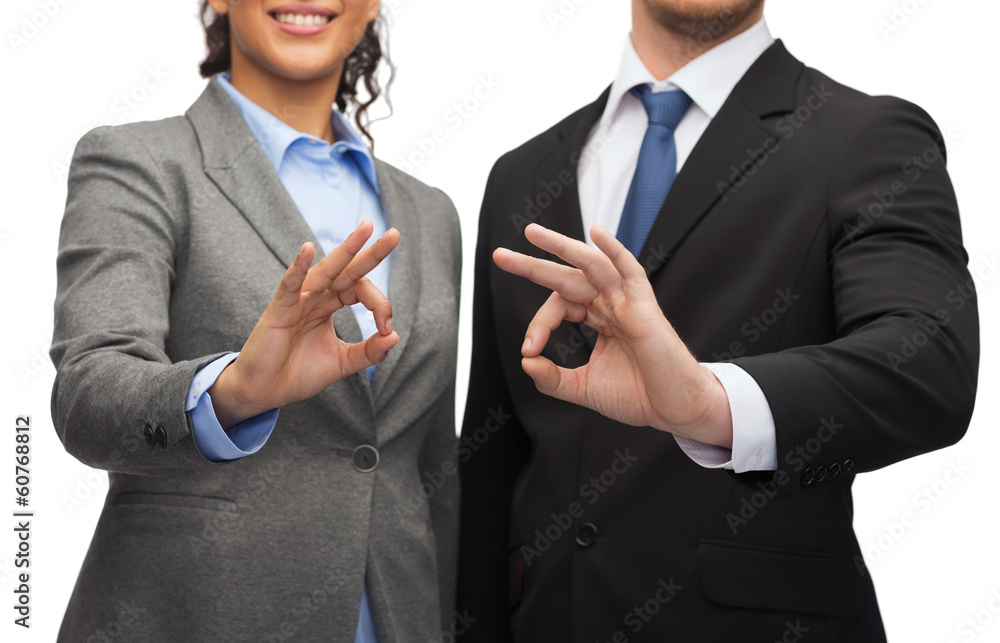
x: 834, y: 470
x: 848, y: 465
x: 586, y: 535
x: 365, y: 458
x: 161, y: 437
x: 820, y: 474
x: 150, y: 438
x: 808, y: 476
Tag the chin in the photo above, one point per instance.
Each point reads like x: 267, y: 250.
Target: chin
x: 304, y: 66
x: 306, y: 74
x: 692, y: 17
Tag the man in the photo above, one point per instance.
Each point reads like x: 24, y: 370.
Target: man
x: 780, y: 297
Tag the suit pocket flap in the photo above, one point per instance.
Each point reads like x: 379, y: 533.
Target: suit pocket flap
x: 782, y: 580
x: 172, y: 500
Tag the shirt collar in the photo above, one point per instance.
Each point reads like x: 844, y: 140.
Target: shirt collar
x: 275, y: 136
x: 708, y: 79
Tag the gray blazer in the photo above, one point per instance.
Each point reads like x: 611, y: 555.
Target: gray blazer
x: 175, y: 236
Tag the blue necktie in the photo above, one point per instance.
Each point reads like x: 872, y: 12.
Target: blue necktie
x: 657, y: 166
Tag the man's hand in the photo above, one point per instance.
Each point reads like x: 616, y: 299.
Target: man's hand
x: 640, y: 372
x: 293, y: 352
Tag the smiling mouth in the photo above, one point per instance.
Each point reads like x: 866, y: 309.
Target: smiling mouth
x: 302, y: 20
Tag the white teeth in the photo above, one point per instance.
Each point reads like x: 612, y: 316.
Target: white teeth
x: 310, y: 20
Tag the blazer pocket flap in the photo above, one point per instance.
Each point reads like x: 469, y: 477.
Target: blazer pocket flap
x: 172, y: 500
x: 782, y: 580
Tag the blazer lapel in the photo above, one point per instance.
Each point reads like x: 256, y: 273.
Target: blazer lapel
x: 563, y: 214
x: 404, y: 272
x: 239, y: 168
x: 719, y: 159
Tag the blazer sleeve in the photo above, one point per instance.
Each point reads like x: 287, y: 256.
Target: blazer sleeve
x: 900, y: 379
x: 488, y: 469
x: 118, y: 400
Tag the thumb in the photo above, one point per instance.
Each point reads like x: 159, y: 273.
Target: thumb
x: 549, y: 378
x: 369, y: 352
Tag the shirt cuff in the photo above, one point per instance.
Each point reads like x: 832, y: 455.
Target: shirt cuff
x: 215, y: 443
x: 755, y: 443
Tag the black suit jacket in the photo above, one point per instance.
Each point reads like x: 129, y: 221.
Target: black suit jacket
x: 812, y: 237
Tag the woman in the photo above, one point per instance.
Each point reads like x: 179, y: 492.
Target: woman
x: 262, y: 467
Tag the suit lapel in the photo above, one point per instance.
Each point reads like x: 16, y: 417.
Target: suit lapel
x: 404, y: 272
x: 563, y: 215
x: 563, y: 212
x: 723, y: 154
x: 239, y: 168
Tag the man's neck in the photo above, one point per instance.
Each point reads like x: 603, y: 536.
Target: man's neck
x: 663, y: 51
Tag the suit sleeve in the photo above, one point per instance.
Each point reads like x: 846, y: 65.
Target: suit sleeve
x: 488, y: 469
x: 118, y: 400
x: 900, y: 379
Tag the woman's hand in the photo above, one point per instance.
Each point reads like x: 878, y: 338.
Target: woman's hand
x: 293, y: 352
x: 640, y: 372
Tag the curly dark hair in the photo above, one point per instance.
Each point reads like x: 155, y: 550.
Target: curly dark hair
x: 360, y: 65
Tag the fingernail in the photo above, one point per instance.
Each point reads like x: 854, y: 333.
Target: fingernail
x: 526, y: 346
x: 388, y: 326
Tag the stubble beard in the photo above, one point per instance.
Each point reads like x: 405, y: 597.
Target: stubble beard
x: 702, y: 23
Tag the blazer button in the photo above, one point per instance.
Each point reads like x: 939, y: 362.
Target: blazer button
x: 820, y: 474
x: 161, y: 437
x: 848, y: 465
x: 586, y: 535
x: 834, y: 470
x: 808, y: 476
x: 365, y: 458
x: 150, y: 438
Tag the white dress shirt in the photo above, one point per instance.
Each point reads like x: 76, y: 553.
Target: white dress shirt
x: 605, y: 172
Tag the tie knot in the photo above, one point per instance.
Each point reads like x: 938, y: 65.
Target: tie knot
x: 663, y: 108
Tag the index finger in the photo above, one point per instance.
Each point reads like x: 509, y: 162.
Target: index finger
x: 366, y: 293
x: 569, y: 282
x: 593, y: 263
x: 548, y: 318
x: 366, y: 260
x: 329, y: 268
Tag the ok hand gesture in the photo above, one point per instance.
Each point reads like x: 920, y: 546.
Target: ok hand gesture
x: 293, y: 352
x: 640, y: 372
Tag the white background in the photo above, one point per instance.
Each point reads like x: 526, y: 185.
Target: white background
x: 69, y: 75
